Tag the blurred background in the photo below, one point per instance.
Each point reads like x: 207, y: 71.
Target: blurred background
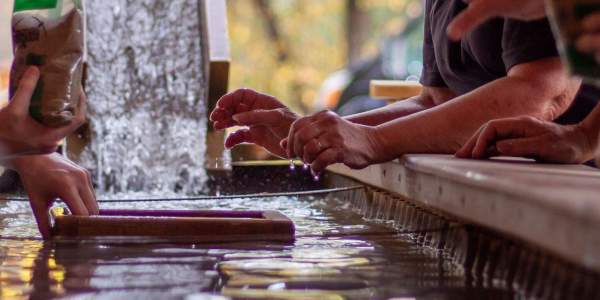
x: 311, y: 54
x: 317, y: 54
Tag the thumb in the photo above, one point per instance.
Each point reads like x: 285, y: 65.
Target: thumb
x: 22, y: 97
x: 259, y: 117
x: 238, y: 137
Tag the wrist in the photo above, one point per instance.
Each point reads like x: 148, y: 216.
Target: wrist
x: 381, y: 146
x: 589, y: 137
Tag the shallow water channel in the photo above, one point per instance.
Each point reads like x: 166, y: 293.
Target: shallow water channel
x: 337, y: 255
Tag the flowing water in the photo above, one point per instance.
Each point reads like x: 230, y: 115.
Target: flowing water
x: 146, y: 94
x: 337, y: 255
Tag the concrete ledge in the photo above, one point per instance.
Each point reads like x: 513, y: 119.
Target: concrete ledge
x: 554, y: 207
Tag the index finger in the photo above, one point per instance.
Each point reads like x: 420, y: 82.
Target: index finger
x: 40, y: 210
x: 474, y: 15
x: 591, y: 22
x: 498, y: 130
x: 467, y: 149
x: 232, y: 101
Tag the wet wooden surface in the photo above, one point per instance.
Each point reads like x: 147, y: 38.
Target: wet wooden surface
x: 555, y: 207
x: 201, y: 224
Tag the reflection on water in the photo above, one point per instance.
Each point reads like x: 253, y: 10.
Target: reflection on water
x: 336, y: 256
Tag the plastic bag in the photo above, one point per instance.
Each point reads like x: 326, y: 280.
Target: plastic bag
x: 49, y: 34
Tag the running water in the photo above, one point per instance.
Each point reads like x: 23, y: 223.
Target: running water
x: 146, y: 90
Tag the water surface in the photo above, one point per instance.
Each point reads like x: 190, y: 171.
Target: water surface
x: 337, y: 255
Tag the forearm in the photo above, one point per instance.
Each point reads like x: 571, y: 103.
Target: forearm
x: 390, y: 112
x: 430, y: 97
x: 444, y: 128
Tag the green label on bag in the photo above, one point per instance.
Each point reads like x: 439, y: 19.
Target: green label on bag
x: 34, y: 4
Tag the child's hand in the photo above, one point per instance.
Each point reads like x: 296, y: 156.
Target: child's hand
x: 589, y: 41
x: 266, y: 120
x: 20, y: 133
x: 48, y: 177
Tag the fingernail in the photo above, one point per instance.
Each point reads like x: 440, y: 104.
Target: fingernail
x: 235, y: 118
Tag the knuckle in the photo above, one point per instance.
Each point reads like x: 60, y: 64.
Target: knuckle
x: 528, y: 119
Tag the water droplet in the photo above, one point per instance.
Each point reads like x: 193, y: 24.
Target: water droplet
x: 305, y: 166
x: 292, y: 165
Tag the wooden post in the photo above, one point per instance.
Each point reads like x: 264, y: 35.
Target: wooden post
x: 217, y: 38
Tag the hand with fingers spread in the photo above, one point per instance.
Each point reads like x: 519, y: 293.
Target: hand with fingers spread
x: 49, y: 177
x: 480, y: 11
x: 326, y: 138
x: 533, y: 138
x: 20, y: 133
x: 589, y: 40
x: 265, y: 119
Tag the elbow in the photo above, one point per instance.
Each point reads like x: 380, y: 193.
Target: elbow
x: 552, y: 100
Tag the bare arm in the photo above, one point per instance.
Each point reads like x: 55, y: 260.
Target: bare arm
x: 540, y: 89
x: 430, y: 97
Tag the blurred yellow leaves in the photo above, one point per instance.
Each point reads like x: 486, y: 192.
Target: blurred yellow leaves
x: 4, y: 72
x: 312, y: 37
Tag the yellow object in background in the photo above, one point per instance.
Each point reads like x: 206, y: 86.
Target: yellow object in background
x: 394, y: 89
x: 4, y: 75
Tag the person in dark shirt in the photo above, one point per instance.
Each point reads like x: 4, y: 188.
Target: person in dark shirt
x: 526, y: 136
x: 504, y: 68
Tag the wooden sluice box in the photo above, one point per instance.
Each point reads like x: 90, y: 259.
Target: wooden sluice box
x: 180, y: 225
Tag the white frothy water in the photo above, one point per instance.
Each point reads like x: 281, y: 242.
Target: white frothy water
x: 146, y: 90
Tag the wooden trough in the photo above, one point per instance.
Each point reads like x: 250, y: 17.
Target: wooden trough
x: 187, y: 225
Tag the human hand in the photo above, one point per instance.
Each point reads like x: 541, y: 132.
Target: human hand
x: 51, y: 176
x: 530, y: 137
x: 326, y: 138
x: 589, y: 41
x: 266, y: 120
x: 480, y: 11
x: 20, y: 133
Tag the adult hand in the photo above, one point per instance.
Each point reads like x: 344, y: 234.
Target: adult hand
x: 530, y: 137
x: 480, y: 11
x: 326, y: 138
x: 48, y: 177
x: 20, y: 133
x: 266, y: 120
x: 589, y: 41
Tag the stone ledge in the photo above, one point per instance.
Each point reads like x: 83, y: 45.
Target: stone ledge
x: 554, y: 207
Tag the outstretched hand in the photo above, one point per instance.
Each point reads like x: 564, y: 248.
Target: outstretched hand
x: 20, y: 133
x: 480, y: 11
x: 530, y: 137
x: 265, y: 119
x: 50, y: 177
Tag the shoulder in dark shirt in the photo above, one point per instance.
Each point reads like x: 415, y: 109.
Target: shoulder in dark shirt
x: 488, y: 53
